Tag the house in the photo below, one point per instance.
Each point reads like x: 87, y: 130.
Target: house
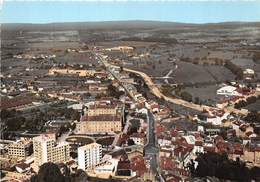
x: 124, y: 168
x: 166, y: 163
x: 138, y: 165
x: 183, y: 154
x: 155, y: 107
x: 165, y: 152
x: 228, y: 91
x: 138, y: 138
x: 190, y: 139
x: 248, y: 72
x: 198, y: 147
x: 106, y: 168
x: 217, y: 119
x: 22, y: 167
x: 164, y: 140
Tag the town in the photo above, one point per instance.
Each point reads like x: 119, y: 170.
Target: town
x: 129, y: 109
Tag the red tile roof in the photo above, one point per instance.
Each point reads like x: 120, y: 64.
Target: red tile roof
x: 167, y: 163
x: 103, y: 117
x: 138, y: 165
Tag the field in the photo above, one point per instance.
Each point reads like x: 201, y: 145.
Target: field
x: 190, y: 55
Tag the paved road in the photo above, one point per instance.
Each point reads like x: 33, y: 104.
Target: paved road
x: 156, y: 91
x: 107, y: 66
x: 151, y: 150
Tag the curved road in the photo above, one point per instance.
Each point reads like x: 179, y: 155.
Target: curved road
x: 156, y: 91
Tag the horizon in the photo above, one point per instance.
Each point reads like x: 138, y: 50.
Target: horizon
x: 189, y: 12
x: 131, y: 21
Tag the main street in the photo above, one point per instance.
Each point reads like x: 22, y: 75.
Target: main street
x: 107, y: 66
x: 151, y: 150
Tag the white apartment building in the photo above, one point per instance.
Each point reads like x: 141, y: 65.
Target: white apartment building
x: 46, y: 149
x: 89, y: 155
x: 20, y: 149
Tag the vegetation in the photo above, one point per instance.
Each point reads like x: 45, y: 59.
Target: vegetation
x: 134, y: 126
x: 105, y: 141
x: 49, y: 172
x: 218, y: 165
x: 244, y: 103
x: 16, y: 120
x: 253, y: 117
x: 236, y: 70
x: 114, y: 92
x: 186, y: 96
x: 167, y: 90
x: 152, y: 39
x: 12, y: 119
x: 256, y: 57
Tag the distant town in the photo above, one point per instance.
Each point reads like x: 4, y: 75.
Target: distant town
x: 133, y: 102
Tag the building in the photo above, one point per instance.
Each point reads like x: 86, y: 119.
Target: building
x: 228, y: 91
x: 100, y: 124
x: 46, y: 149
x: 80, y: 73
x: 120, y: 48
x: 217, y: 119
x: 89, y: 156
x: 104, y: 116
x: 138, y: 138
x: 20, y: 149
x: 106, y: 168
x: 102, y: 108
x: 248, y: 72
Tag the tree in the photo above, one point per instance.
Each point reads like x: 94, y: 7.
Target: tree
x: 130, y: 142
x: 252, y: 117
x: 218, y: 165
x: 236, y: 70
x: 7, y: 113
x: 197, y: 100
x: 65, y: 171
x: 186, y: 96
x: 49, y: 172
x: 79, y: 176
x: 114, y: 92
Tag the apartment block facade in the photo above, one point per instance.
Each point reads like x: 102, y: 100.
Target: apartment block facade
x: 46, y: 149
x: 100, y: 124
x: 20, y: 149
x: 89, y: 155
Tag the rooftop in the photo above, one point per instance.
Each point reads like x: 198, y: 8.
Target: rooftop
x: 89, y: 146
x: 103, y: 117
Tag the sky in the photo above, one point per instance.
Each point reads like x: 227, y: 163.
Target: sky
x: 211, y: 11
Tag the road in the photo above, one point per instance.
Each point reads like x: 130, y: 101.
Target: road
x: 156, y: 91
x: 107, y: 66
x: 151, y: 150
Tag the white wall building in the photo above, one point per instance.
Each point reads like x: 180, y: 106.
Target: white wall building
x: 106, y: 168
x: 45, y: 149
x: 217, y: 120
x: 164, y: 141
x: 89, y: 155
x: 228, y: 91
